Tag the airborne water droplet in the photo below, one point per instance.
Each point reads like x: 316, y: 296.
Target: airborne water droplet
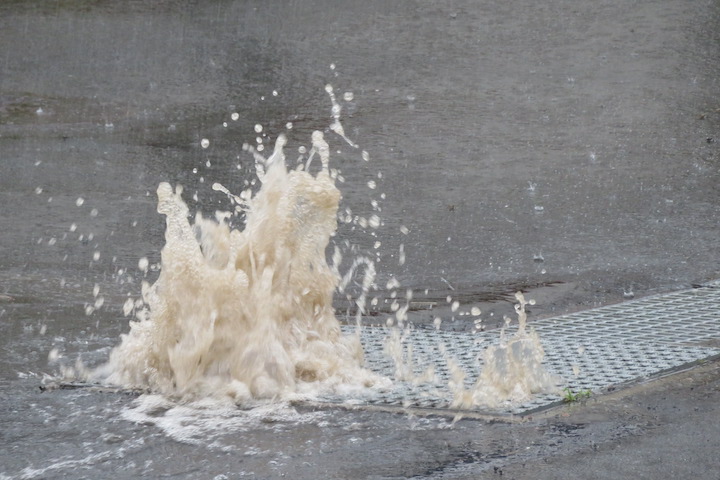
x: 143, y: 264
x: 128, y: 306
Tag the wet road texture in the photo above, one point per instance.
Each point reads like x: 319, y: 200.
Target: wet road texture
x: 566, y: 148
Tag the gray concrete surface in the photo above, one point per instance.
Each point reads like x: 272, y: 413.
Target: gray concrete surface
x: 565, y: 148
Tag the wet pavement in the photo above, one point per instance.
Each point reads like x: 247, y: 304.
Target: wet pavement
x: 568, y: 149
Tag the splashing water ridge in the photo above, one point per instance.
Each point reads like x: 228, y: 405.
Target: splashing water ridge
x: 512, y: 370
x: 244, y: 313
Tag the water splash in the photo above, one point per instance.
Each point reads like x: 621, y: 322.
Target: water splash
x: 512, y: 370
x: 245, y: 314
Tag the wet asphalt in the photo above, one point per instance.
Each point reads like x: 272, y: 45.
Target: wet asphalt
x: 568, y: 149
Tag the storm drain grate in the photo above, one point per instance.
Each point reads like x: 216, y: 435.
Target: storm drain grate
x: 590, y: 350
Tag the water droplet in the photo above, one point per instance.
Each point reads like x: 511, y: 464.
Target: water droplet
x: 258, y: 128
x: 204, y: 143
x: 143, y: 264
x: 128, y: 306
x: 348, y: 96
x: 289, y: 125
x: 96, y: 256
x: 371, y: 184
x: 79, y: 201
x: 275, y: 93
x: 38, y: 190
x: 235, y: 116
x: 475, y: 311
x: 94, y: 212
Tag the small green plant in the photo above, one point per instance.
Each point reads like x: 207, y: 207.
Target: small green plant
x: 570, y: 396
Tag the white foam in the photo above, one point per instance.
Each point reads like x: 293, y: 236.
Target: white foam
x: 205, y: 422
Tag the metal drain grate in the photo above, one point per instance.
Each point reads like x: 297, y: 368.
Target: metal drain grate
x: 590, y: 350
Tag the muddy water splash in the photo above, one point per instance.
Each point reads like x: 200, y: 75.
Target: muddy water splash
x: 245, y: 314
x: 512, y: 370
